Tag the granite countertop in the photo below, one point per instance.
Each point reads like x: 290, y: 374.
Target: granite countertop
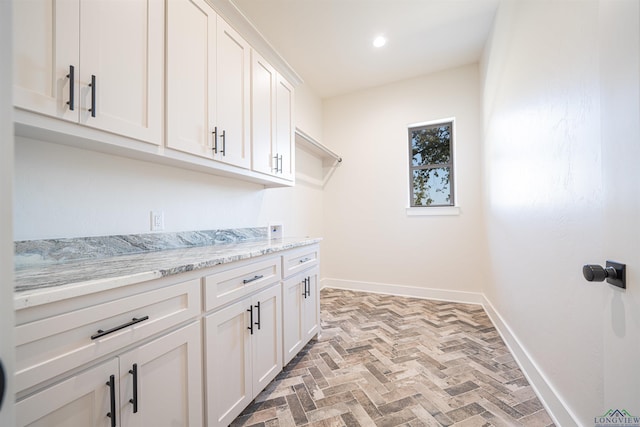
x: 72, y: 267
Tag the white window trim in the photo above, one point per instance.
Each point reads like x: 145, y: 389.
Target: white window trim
x: 437, y: 210
x: 434, y: 211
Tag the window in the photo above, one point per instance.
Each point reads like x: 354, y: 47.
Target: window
x: 431, y: 170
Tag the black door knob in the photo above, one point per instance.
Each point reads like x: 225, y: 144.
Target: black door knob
x: 597, y: 273
x: 2, y: 385
x: 614, y: 273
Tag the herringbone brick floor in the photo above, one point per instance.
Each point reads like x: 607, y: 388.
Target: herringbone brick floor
x: 392, y: 361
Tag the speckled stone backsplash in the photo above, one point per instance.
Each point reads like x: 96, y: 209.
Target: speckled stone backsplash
x: 42, y: 252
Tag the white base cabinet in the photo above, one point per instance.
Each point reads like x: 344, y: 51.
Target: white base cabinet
x: 243, y: 353
x: 82, y: 400
x: 133, y: 356
x: 159, y: 383
x: 300, y: 312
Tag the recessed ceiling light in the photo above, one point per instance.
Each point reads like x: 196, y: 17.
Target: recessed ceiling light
x: 379, y: 41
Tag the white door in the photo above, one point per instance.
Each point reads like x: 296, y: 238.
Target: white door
x: 191, y: 76
x: 122, y: 46
x: 285, y: 129
x: 266, y: 344
x: 620, y: 124
x: 82, y: 400
x: 263, y: 114
x: 233, y: 97
x: 228, y: 363
x: 46, y: 56
x: 161, y: 382
x: 6, y: 211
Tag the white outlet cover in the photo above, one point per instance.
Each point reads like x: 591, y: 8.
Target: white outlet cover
x: 275, y: 231
x: 157, y: 220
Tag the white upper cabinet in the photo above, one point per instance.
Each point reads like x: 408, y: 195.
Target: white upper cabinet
x: 263, y: 112
x: 232, y: 101
x: 191, y: 76
x: 207, y: 85
x: 285, y: 128
x: 95, y: 62
x: 272, y: 130
x: 46, y: 57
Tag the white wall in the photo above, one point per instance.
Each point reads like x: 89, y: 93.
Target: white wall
x: 63, y: 191
x: 309, y: 112
x: 546, y: 138
x: 369, y: 237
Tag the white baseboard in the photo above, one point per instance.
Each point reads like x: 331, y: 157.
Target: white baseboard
x: 550, y: 398
x: 404, y: 290
x: 553, y: 403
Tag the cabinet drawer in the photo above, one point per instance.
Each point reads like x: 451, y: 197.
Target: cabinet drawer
x: 300, y: 259
x: 228, y: 285
x: 49, y: 347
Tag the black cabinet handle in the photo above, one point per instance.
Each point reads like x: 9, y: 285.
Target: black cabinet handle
x: 254, y: 278
x: 303, y: 260
x: 112, y: 386
x: 72, y: 83
x: 304, y: 292
x: 250, y: 327
x: 134, y: 401
x: 258, y: 307
x: 93, y: 96
x: 102, y: 333
x: 224, y: 142
x: 215, y: 139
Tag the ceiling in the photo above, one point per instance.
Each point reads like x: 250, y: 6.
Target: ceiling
x: 329, y: 42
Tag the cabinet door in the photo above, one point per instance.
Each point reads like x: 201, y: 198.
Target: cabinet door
x: 311, y: 321
x: 46, y: 38
x: 285, y: 128
x: 228, y: 362
x: 292, y: 317
x: 266, y: 345
x: 161, y: 382
x: 233, y: 97
x: 121, y: 44
x: 191, y: 76
x: 82, y: 400
x: 263, y: 113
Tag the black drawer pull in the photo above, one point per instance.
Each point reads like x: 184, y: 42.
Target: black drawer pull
x: 72, y: 83
x: 224, y: 143
x: 134, y: 401
x: 253, y: 279
x: 112, y: 394
x: 215, y: 139
x: 102, y: 333
x: 305, y: 260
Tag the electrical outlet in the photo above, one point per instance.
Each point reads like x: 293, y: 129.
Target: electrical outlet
x: 157, y: 220
x: 275, y: 231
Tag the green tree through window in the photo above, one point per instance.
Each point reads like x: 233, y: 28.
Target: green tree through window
x: 431, y: 164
